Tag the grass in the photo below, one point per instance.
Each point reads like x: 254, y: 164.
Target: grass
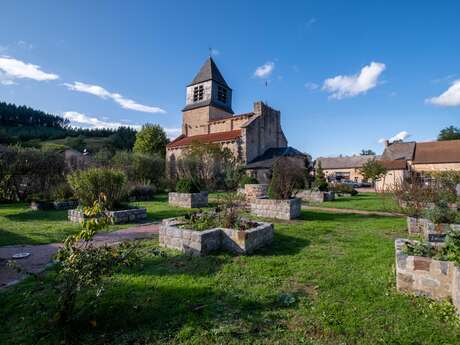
x: 363, y: 201
x: 327, y: 279
x: 21, y: 225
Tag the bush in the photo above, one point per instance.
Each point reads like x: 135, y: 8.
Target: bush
x: 103, y: 185
x: 441, y: 213
x: 187, y: 186
x: 343, y: 188
x: 286, y: 178
x: 141, y: 192
x: 246, y: 179
x: 62, y: 192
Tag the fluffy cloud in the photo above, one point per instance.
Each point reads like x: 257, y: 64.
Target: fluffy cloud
x: 265, y: 70
x: 400, y: 136
x: 79, y: 119
x: 172, y: 132
x: 450, y: 97
x: 125, y: 103
x: 343, y: 86
x: 11, y: 69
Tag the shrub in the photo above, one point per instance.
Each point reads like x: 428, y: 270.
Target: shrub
x: 287, y: 177
x: 320, y: 181
x: 343, y: 188
x: 187, y: 186
x: 98, y: 184
x: 246, y: 179
x: 441, y: 213
x: 62, y: 192
x: 141, y: 191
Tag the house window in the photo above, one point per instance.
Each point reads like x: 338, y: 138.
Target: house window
x: 222, y: 94
x: 198, y: 92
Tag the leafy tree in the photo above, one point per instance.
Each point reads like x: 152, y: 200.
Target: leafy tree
x: 449, y: 133
x: 367, y: 153
x: 320, y: 179
x: 373, y: 170
x: 151, y: 139
x: 287, y: 177
x: 123, y: 139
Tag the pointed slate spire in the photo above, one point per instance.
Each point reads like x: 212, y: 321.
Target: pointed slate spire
x: 209, y: 71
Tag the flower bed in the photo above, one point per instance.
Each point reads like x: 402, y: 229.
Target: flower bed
x: 188, y: 200
x: 426, y: 276
x: 117, y: 217
x: 195, y: 242
x: 315, y: 196
x: 280, y: 209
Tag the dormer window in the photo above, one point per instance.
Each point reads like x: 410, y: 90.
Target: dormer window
x: 222, y: 94
x: 198, y: 93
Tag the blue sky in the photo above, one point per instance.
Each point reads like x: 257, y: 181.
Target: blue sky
x: 343, y: 73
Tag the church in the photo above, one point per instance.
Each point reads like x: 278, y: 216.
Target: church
x: 256, y: 138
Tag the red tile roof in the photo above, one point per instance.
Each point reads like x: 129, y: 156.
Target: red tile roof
x: 396, y: 164
x: 437, y: 152
x: 205, y: 138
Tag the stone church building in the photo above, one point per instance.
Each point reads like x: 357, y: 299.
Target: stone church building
x: 255, y: 138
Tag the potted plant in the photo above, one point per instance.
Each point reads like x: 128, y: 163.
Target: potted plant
x: 287, y: 179
x: 188, y: 195
x: 107, y: 187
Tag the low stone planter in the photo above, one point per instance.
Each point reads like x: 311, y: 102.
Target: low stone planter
x: 204, y: 242
x: 415, y: 225
x: 65, y: 204
x: 41, y: 205
x: 188, y: 200
x: 132, y: 215
x: 279, y: 209
x: 436, y: 232
x: 425, y: 276
x: 315, y: 196
x: 254, y: 191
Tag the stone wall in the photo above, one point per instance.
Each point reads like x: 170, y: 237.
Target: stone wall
x: 254, y: 191
x: 279, y: 209
x: 204, y: 242
x: 315, y: 196
x: 188, y: 200
x: 426, y: 276
x: 118, y: 217
x: 65, y: 204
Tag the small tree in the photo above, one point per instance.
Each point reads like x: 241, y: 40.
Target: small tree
x: 287, y: 177
x: 449, y: 133
x: 151, y: 139
x: 320, y: 182
x: 373, y: 170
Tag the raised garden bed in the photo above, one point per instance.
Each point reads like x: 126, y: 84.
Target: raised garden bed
x: 254, y: 191
x: 204, y: 242
x: 117, y: 217
x: 430, y: 231
x: 315, y: 196
x: 425, y: 276
x: 280, y: 209
x: 188, y: 200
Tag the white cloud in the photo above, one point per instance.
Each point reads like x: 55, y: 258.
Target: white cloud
x: 172, y: 132
x: 79, y: 119
x: 125, y: 103
x: 265, y: 70
x: 311, y: 86
x: 450, y: 97
x: 343, y: 86
x: 16, y: 69
x: 399, y: 136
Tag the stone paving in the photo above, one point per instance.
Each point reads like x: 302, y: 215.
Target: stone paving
x: 41, y: 255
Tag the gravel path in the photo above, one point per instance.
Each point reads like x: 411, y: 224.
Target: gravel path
x: 41, y: 255
x: 347, y: 210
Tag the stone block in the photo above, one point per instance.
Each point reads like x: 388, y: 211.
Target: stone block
x: 188, y: 200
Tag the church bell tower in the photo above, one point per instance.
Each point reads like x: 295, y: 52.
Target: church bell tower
x: 209, y: 98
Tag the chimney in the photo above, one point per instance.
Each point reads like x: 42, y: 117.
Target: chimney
x: 386, y: 143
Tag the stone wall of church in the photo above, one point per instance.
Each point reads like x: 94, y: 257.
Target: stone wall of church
x: 196, y: 121
x: 262, y: 132
x: 228, y: 124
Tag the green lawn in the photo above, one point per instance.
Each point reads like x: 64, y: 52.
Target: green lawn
x: 363, y: 201
x: 21, y: 225
x: 327, y: 279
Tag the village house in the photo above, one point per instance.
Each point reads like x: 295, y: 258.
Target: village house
x: 208, y: 117
x: 344, y: 167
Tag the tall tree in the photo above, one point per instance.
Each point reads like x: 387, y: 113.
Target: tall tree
x: 367, y: 153
x: 449, y: 133
x: 151, y: 139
